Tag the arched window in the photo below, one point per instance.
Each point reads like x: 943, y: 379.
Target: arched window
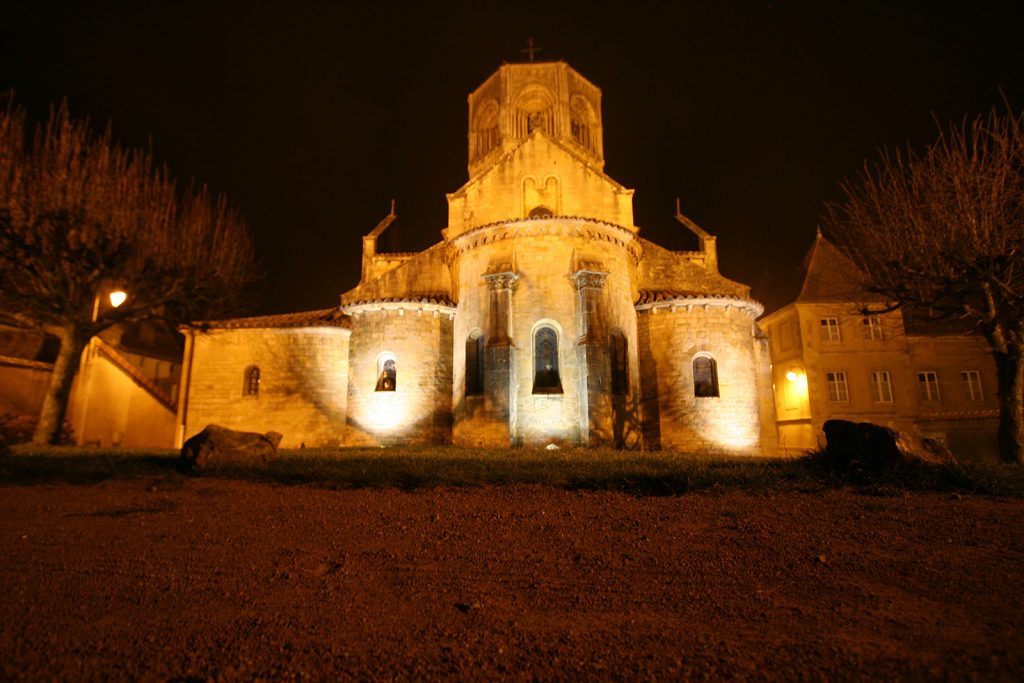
x: 705, y: 377
x: 486, y: 129
x: 387, y: 372
x: 620, y: 363
x: 545, y: 362
x: 541, y: 212
x: 581, y: 123
x: 534, y: 111
x: 251, y: 382
x: 475, y: 364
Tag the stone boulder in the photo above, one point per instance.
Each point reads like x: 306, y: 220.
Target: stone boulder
x: 216, y: 445
x: 874, y: 447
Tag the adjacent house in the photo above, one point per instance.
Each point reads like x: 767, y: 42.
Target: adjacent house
x: 838, y: 352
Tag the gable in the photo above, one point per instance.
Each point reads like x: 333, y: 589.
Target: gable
x: 538, y: 173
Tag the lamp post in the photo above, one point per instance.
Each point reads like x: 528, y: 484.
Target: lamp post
x: 116, y: 298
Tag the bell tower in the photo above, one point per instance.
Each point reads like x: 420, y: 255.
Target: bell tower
x: 520, y: 99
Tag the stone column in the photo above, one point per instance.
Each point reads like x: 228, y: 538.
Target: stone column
x: 499, y: 348
x: 594, y: 359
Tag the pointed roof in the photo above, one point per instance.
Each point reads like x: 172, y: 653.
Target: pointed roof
x: 829, y: 275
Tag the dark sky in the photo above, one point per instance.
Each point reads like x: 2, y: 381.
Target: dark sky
x: 312, y: 116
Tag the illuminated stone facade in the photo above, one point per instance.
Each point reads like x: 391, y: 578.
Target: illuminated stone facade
x: 540, y: 317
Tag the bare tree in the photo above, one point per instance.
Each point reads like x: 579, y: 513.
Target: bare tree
x: 941, y: 232
x: 80, y: 216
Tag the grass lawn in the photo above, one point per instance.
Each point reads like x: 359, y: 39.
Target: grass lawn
x: 410, y: 468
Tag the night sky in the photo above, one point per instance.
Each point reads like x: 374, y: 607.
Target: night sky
x: 312, y: 116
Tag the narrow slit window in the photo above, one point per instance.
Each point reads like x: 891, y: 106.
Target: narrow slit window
x: 387, y: 374
x: 475, y: 364
x: 545, y: 362
x: 620, y: 363
x: 705, y: 377
x: 251, y: 384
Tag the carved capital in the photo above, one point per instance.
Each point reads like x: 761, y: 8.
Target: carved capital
x: 501, y: 282
x: 589, y: 279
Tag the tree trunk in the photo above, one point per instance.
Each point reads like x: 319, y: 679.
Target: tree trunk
x: 1010, y: 373
x: 55, y: 405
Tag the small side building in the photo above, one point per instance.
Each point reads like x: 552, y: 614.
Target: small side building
x: 124, y: 395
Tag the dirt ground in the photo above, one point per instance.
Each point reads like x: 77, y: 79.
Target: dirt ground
x: 224, y: 580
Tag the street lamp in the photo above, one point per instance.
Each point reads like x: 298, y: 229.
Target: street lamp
x: 116, y: 298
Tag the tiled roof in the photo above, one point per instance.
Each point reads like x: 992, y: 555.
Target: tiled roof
x: 327, y: 317
x: 436, y: 299
x: 962, y: 415
x: 653, y: 296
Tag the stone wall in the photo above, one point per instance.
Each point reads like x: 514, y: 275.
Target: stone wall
x: 418, y: 337
x: 303, y: 386
x: 542, y: 255
x: 673, y: 417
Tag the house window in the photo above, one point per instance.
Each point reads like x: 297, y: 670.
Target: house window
x: 837, y: 389
x: 251, y: 383
x: 387, y: 373
x: 475, y: 364
x: 972, y: 385
x: 830, y: 329
x: 705, y: 377
x: 928, y: 385
x: 881, y: 387
x: 545, y: 362
x: 620, y: 363
x: 872, y: 327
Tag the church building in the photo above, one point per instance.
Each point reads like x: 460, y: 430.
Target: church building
x: 541, y: 316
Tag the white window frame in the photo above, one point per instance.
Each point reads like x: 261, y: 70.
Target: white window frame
x: 829, y: 330
x: 971, y: 380
x: 838, y: 389
x: 872, y: 325
x: 928, y: 386
x: 881, y: 386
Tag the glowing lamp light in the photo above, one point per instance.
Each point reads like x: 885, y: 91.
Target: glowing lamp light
x: 791, y: 376
x: 117, y: 297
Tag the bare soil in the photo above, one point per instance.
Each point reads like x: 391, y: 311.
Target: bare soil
x: 214, y: 579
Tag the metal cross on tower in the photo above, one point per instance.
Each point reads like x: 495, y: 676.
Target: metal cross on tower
x: 530, y: 49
